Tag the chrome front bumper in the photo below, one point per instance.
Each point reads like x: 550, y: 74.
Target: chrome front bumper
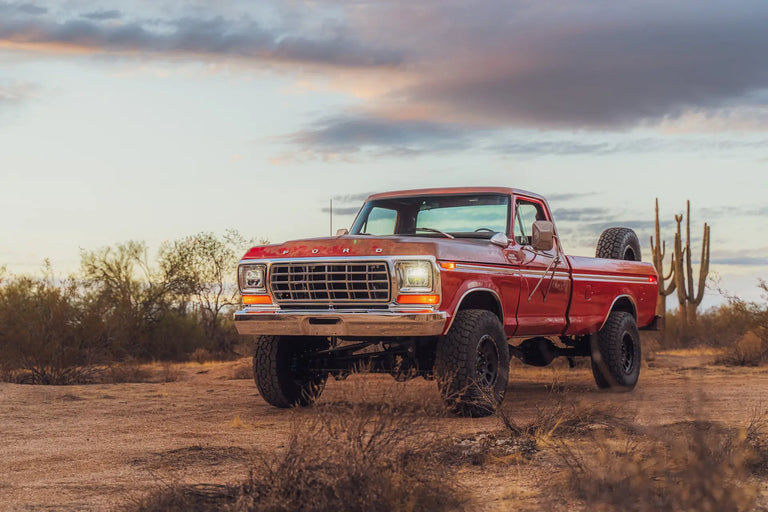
x: 340, y: 323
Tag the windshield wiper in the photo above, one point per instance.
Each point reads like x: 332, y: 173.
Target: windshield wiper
x: 432, y: 230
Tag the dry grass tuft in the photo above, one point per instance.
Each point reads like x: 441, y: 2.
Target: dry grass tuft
x: 169, y: 372
x: 756, y: 440
x: 562, y: 416
x: 485, y: 448
x: 687, y: 466
x: 192, y: 498
x: 128, y: 371
x: 243, y: 372
x: 201, y: 355
x: 749, y: 350
x: 339, y: 458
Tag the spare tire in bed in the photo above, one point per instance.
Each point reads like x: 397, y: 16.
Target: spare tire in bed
x: 619, y: 244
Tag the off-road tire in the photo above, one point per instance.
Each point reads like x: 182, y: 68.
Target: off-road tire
x: 279, y: 381
x: 464, y: 359
x: 616, y: 356
x: 619, y: 244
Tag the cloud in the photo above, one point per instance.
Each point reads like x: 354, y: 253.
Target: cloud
x: 354, y: 133
x: 568, y: 196
x: 101, y: 15
x: 354, y: 198
x: 742, y: 261
x: 456, y: 75
x: 733, y: 211
x: 347, y: 204
x: 344, y: 210
x: 476, y: 70
x: 595, y: 65
x: 365, y: 132
x: 192, y: 37
x: 580, y: 214
x: 15, y: 93
x: 21, y: 8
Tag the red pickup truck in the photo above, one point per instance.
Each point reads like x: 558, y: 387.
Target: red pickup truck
x: 445, y: 284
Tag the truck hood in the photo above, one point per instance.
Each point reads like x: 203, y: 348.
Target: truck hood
x: 459, y: 249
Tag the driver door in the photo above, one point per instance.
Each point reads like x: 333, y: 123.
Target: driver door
x: 545, y: 284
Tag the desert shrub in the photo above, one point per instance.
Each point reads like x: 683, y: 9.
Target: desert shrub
x: 40, y: 332
x: 689, y: 466
x: 134, y: 301
x: 721, y: 326
x: 202, y: 269
x: 361, y: 459
x: 120, y: 306
x: 749, y: 350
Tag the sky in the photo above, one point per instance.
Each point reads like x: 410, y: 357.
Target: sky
x: 156, y: 119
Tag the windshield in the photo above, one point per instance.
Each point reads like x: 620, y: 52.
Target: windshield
x: 461, y: 216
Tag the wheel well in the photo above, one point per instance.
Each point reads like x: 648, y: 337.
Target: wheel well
x: 482, y: 299
x: 625, y: 304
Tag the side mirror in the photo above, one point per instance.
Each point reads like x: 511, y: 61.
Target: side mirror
x: 342, y: 232
x: 500, y: 239
x: 543, y: 235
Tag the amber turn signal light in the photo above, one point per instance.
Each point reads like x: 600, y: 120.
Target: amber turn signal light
x: 448, y: 265
x: 418, y: 299
x: 257, y: 299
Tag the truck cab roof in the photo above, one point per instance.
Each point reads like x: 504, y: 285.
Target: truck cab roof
x: 455, y: 190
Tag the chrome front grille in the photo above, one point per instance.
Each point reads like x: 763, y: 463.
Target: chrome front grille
x: 330, y: 282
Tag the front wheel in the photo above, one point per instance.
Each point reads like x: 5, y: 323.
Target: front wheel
x: 279, y: 376
x: 616, y: 353
x: 472, y: 363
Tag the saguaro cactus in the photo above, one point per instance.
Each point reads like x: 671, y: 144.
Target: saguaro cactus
x: 659, y: 248
x: 689, y: 298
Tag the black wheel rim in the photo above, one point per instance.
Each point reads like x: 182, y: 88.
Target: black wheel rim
x: 627, y: 353
x: 487, y: 363
x: 629, y: 254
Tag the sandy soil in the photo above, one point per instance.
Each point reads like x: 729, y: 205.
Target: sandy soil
x: 97, y: 447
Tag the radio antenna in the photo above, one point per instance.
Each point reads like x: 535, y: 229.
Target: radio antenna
x: 330, y: 232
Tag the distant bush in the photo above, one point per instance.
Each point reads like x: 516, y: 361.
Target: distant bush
x: 121, y: 306
x: 41, y: 331
x: 725, y: 326
x: 749, y: 350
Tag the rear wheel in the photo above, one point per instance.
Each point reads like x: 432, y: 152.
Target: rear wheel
x: 619, y: 244
x: 278, y: 372
x: 472, y: 363
x: 616, y: 353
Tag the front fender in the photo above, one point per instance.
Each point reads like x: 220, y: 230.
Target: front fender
x: 460, y: 283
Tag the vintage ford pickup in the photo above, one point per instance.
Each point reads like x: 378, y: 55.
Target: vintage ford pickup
x: 444, y: 284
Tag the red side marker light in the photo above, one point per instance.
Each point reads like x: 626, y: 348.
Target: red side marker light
x: 652, y: 279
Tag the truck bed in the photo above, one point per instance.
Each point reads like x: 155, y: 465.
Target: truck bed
x: 598, y: 283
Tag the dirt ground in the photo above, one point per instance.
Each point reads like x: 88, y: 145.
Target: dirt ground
x: 99, y: 447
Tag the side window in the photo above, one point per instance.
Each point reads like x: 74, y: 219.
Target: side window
x: 381, y: 221
x: 525, y: 215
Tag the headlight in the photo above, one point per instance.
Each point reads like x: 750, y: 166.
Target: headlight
x: 251, y: 278
x: 415, y: 276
